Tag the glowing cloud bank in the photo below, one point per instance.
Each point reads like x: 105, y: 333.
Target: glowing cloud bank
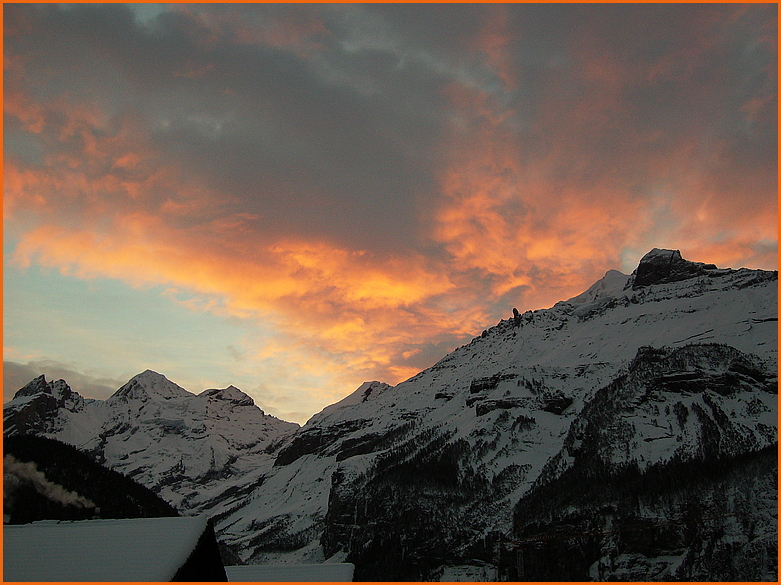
x: 367, y: 186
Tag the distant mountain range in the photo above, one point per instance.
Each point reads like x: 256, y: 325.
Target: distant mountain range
x: 186, y: 448
x: 628, y: 433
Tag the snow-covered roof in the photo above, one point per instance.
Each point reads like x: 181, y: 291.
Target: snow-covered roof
x: 291, y: 573
x: 137, y: 549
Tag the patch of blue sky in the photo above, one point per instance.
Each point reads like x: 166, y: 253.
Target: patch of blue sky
x: 124, y: 330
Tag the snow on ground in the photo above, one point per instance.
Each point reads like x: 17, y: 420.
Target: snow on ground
x: 139, y: 549
x: 464, y: 573
x: 322, y: 572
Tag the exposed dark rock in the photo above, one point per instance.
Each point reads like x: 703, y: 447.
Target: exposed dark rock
x: 230, y: 394
x: 34, y: 387
x: 481, y: 384
x: 503, y: 403
x: 37, y: 413
x: 664, y: 266
x: 556, y: 403
x: 711, y: 520
x: 359, y: 446
x: 398, y: 521
x: 315, y: 440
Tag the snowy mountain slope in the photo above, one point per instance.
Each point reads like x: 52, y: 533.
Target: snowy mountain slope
x: 445, y: 490
x: 669, y: 473
x: 187, y: 448
x: 419, y: 480
x: 701, y: 401
x: 476, y: 430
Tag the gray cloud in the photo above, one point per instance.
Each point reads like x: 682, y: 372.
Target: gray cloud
x: 296, y: 139
x: 336, y: 113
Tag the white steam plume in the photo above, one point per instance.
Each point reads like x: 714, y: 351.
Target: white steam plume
x: 16, y: 473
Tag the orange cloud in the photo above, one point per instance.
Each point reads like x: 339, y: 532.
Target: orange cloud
x: 504, y: 215
x: 114, y: 208
x: 350, y: 309
x: 540, y: 201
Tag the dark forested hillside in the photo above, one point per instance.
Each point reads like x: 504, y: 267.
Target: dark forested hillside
x: 712, y: 520
x: 47, y: 479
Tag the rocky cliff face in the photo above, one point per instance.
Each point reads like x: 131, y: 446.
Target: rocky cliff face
x: 38, y: 406
x: 692, y: 520
x: 517, y: 434
x: 665, y: 266
x: 669, y: 473
x: 439, y: 497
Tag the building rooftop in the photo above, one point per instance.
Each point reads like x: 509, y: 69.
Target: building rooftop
x: 137, y: 549
x: 291, y: 573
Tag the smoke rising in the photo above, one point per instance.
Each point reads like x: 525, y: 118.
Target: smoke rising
x: 18, y: 473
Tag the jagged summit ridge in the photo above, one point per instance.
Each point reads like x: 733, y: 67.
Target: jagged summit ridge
x: 58, y: 389
x: 230, y: 394
x: 35, y: 386
x: 608, y: 287
x: 39, y: 403
x: 661, y: 266
x: 364, y: 392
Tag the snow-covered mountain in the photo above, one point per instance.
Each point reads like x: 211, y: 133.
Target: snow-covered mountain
x: 185, y: 447
x: 644, y: 375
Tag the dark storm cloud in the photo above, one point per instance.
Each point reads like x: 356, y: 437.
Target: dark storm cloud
x: 316, y: 146
x: 317, y: 118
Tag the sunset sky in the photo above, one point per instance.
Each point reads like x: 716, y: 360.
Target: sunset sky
x: 294, y: 199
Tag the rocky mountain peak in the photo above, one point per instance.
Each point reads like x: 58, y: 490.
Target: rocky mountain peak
x: 230, y: 394
x: 608, y: 286
x: 149, y: 385
x: 38, y: 403
x: 35, y: 386
x: 364, y: 392
x: 57, y: 389
x: 179, y: 444
x: 61, y: 390
x: 660, y: 266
